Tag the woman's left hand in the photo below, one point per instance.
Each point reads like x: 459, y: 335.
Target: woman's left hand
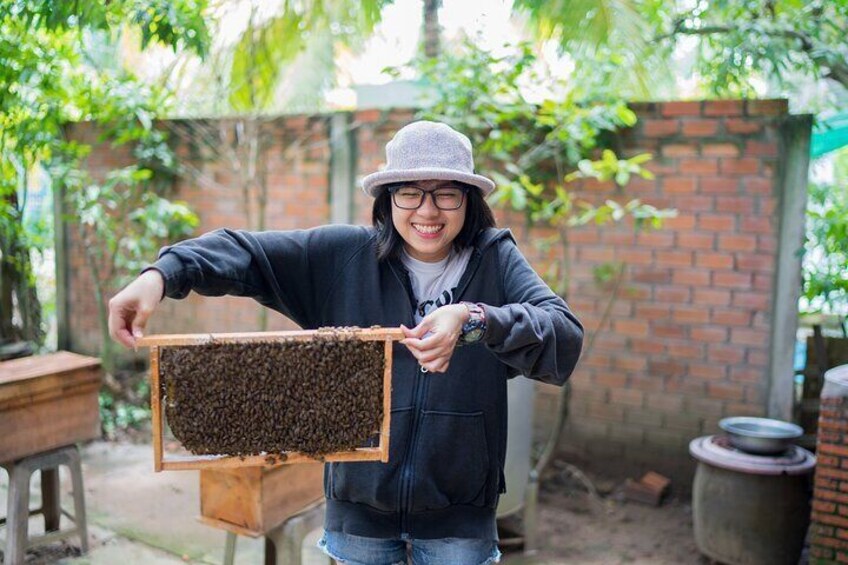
x: 433, y: 340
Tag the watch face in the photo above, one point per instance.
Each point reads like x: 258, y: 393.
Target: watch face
x: 473, y: 335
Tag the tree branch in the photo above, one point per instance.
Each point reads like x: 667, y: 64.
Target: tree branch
x: 835, y: 70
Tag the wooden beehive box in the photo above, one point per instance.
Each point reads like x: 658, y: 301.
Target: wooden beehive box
x: 46, y: 402
x: 254, y: 500
x: 159, y: 344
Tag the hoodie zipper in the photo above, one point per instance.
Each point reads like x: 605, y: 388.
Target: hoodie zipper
x: 418, y: 391
x: 406, y: 465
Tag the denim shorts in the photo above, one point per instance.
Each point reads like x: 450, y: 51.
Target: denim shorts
x: 357, y: 550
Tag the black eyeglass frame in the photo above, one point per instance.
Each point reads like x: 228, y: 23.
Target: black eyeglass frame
x: 393, y: 190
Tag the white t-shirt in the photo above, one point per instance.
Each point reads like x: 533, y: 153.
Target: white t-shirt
x: 434, y: 284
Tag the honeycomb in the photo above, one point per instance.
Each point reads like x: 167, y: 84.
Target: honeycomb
x: 268, y: 398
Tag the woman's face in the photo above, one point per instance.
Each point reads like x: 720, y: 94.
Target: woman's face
x: 427, y: 231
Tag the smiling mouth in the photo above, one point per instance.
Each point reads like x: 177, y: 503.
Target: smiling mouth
x: 428, y: 229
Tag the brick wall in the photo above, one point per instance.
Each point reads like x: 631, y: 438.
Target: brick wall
x: 688, y: 342
x: 829, y: 530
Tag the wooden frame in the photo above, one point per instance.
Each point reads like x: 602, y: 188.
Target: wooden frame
x: 165, y: 462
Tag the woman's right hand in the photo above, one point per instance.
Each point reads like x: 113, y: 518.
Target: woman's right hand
x: 130, y: 309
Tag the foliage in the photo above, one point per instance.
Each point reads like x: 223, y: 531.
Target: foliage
x: 532, y: 148
x: 825, y: 266
x: 267, y: 49
x: 48, y: 79
x: 737, y: 40
x: 117, y: 414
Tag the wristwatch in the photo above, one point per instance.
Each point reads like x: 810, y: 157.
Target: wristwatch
x: 474, y: 329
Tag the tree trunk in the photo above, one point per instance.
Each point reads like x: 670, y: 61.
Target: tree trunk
x: 432, y: 29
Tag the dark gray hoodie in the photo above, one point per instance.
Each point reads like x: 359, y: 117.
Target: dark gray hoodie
x: 448, y: 430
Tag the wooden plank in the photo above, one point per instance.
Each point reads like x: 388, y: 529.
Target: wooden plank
x: 60, y: 362
x: 49, y: 395
x: 233, y: 496
x: 365, y: 334
x: 387, y: 402
x: 191, y: 462
x: 163, y: 461
x: 224, y: 525
x: 289, y: 490
x: 47, y: 425
x: 156, y: 409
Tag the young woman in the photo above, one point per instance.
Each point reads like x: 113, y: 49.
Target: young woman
x: 434, y: 264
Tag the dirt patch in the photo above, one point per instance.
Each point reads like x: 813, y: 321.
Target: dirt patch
x: 578, y: 527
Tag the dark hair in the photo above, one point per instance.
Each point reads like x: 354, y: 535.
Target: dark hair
x: 478, y: 216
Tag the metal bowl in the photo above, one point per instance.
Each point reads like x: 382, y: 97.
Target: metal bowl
x: 760, y: 436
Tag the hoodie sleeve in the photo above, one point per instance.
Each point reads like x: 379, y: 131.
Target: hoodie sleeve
x: 534, y: 331
x: 284, y: 270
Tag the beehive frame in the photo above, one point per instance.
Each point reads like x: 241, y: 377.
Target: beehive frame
x: 162, y: 461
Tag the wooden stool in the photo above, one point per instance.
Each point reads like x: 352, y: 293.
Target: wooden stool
x: 18, y: 512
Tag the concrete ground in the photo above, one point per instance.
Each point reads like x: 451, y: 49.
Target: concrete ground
x: 136, y: 516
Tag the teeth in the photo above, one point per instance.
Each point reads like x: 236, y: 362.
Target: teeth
x: 428, y: 229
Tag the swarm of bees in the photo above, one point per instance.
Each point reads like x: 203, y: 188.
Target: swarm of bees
x: 267, y: 398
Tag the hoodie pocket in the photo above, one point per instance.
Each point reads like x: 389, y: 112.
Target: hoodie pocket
x: 452, y: 461
x: 374, y: 483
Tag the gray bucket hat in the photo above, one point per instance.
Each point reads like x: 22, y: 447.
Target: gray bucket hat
x: 427, y: 151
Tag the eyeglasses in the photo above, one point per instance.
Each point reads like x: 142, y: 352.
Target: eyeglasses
x: 412, y: 197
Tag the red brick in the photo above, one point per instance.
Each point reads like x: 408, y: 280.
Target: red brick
x: 651, y: 275
x: 691, y: 314
x: 717, y: 222
x: 630, y: 363
x: 745, y: 374
x: 712, y: 260
x: 655, y: 239
x: 718, y: 185
x: 731, y: 279
x: 647, y: 347
x: 678, y: 108
x: 720, y: 150
x: 674, y: 258
x: 652, y: 311
x: 611, y: 379
x: 723, y: 107
x: 757, y: 300
x: 691, y: 277
x: 725, y: 353
x: 745, y: 336
x: 698, y: 166
x: 708, y: 371
x: 665, y: 329
x: 725, y: 391
x: 695, y: 240
x: 681, y: 222
x: 674, y: 294
x: 737, y: 242
x: 710, y: 334
x: 760, y: 149
x: 593, y: 253
x: 772, y: 107
x: 693, y: 202
x: 757, y: 358
x: 637, y: 328
x: 679, y: 150
x: 666, y: 368
x: 757, y: 185
x: 627, y: 397
x: 660, y: 128
x: 822, y: 506
x: 830, y: 449
x: 743, y: 205
x: 757, y: 224
x: 687, y: 351
x: 679, y: 185
x: 762, y: 282
x: 712, y: 296
x: 830, y: 496
x: 697, y: 128
x: 742, y: 126
x: 742, y: 166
